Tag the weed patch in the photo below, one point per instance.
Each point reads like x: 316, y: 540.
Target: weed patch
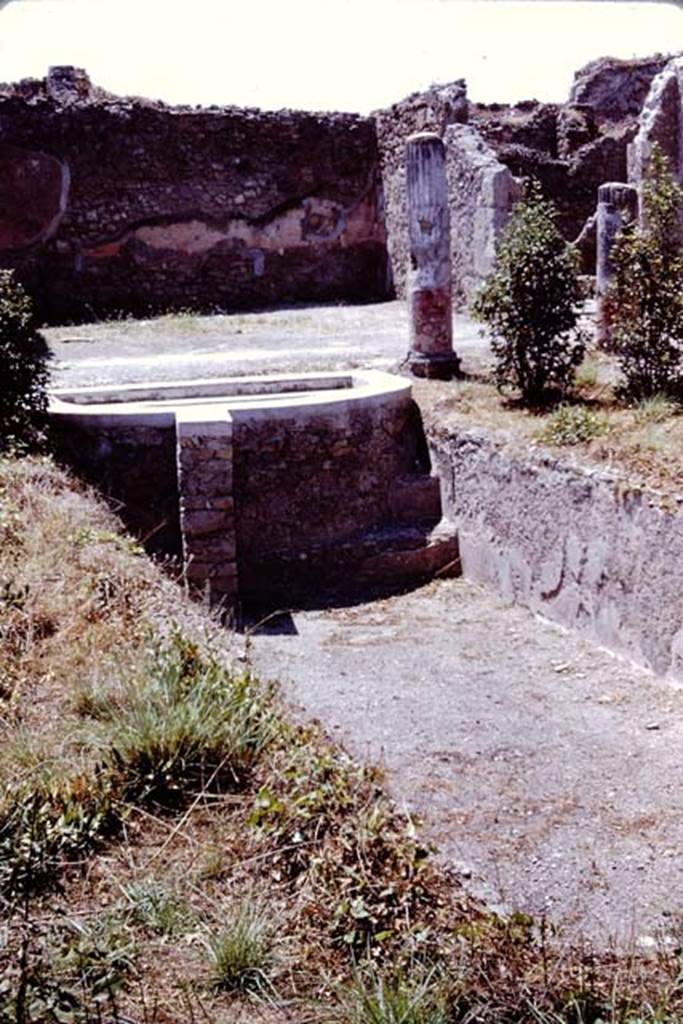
x: 189, y: 724
x: 242, y: 954
x: 573, y: 424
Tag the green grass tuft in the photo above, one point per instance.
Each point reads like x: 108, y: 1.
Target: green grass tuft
x: 190, y: 725
x: 242, y: 953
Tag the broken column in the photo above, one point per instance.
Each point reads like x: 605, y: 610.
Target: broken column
x: 429, y: 277
x: 617, y: 208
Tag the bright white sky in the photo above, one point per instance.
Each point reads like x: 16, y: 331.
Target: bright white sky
x: 329, y: 54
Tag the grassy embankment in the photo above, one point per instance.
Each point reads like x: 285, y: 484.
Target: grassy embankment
x: 173, y: 849
x: 641, y: 441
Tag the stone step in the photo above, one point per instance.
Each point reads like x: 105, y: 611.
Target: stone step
x: 410, y: 553
x: 391, y: 556
x: 416, y: 499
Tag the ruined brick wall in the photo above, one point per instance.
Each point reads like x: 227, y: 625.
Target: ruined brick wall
x: 616, y: 89
x: 567, y: 148
x: 433, y: 110
x: 114, y: 205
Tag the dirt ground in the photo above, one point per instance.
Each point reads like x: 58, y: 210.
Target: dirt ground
x: 547, y: 770
x: 278, y: 341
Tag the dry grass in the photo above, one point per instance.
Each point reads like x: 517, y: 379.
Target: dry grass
x: 128, y: 902
x: 643, y: 442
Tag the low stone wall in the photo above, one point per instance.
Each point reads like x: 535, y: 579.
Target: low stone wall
x: 276, y: 488
x: 580, y: 546
x: 309, y: 479
x: 134, y: 466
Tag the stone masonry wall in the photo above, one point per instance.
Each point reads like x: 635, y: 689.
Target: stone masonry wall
x: 110, y: 204
x: 207, y: 511
x: 482, y: 192
x: 311, y: 481
x: 580, y: 546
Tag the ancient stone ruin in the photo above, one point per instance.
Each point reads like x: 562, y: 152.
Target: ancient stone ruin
x: 115, y: 205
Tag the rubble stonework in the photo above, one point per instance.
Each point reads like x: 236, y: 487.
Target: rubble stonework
x: 168, y: 207
x: 615, y: 89
x: 482, y: 192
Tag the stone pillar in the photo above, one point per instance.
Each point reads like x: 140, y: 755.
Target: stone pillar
x: 207, y: 519
x: 429, y: 277
x: 617, y: 207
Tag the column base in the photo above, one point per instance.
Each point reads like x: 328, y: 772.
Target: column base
x: 433, y: 367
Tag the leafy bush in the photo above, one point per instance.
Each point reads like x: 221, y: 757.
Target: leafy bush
x: 23, y: 367
x: 647, y: 291
x: 46, y: 825
x: 531, y: 302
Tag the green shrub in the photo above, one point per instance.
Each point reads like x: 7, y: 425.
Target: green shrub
x: 647, y: 291
x: 43, y: 826
x: 531, y: 302
x: 23, y: 367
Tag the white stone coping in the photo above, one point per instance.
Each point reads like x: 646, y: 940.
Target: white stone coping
x: 235, y: 398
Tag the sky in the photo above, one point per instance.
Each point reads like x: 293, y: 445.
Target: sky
x: 354, y: 55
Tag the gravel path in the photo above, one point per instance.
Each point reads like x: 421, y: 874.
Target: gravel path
x: 547, y: 770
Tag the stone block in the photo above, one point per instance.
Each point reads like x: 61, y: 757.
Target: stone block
x: 201, y: 521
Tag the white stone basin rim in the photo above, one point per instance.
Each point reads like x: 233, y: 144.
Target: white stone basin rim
x: 288, y: 430
x: 271, y: 395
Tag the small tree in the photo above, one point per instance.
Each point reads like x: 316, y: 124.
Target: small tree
x: 531, y: 302
x: 647, y: 290
x: 23, y: 367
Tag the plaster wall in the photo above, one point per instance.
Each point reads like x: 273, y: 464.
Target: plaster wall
x: 580, y: 546
x: 482, y: 192
x: 111, y: 204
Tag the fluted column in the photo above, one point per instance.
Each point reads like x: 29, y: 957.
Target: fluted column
x: 429, y: 277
